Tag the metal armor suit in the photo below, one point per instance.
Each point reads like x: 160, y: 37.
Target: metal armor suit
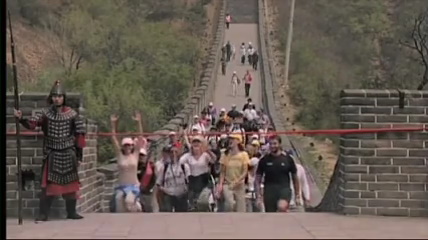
x: 64, y: 140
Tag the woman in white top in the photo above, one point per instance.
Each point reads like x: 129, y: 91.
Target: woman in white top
x: 128, y: 192
x: 199, y: 159
x: 233, y: 51
x: 235, y: 81
x: 304, y: 194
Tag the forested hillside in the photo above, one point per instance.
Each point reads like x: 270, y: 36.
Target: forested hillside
x: 121, y: 55
x: 341, y: 44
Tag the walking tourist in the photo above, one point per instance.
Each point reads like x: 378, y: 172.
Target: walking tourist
x: 276, y: 167
x: 234, y: 169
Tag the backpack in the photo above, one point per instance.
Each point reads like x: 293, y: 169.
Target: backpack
x: 166, y: 168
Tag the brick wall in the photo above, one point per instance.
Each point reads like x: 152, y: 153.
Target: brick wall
x: 381, y: 173
x: 110, y: 173
x: 32, y: 156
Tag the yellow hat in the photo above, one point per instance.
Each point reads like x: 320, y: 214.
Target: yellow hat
x: 255, y: 142
x: 236, y: 136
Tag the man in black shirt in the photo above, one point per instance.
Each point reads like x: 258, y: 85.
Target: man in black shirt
x: 233, y: 113
x: 276, y: 168
x: 247, y: 105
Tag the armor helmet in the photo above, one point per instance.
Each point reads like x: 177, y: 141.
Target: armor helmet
x: 57, y: 89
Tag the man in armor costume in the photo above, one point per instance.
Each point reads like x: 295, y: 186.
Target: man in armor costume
x: 64, y: 140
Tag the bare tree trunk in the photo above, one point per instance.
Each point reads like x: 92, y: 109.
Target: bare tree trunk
x: 419, y: 43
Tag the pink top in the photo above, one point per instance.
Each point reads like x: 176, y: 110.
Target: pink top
x: 228, y: 19
x: 248, y: 78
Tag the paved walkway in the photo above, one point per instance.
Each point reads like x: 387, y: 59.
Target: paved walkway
x: 223, y: 98
x: 222, y: 225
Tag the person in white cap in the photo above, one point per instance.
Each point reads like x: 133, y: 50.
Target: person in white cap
x: 235, y: 81
x: 172, y: 137
x: 233, y: 113
x: 212, y: 112
x: 222, y: 120
x: 197, y: 125
x: 222, y: 114
x: 198, y: 159
x: 128, y: 192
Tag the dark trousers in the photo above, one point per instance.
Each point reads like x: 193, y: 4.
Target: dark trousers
x: 223, y: 69
x: 220, y: 205
x: 229, y: 54
x: 176, y: 203
x: 255, y: 66
x: 146, y: 202
x: 243, y: 59
x: 272, y: 194
x: 250, y: 59
x: 227, y: 25
x: 247, y: 89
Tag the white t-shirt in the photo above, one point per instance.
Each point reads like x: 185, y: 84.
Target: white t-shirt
x: 250, y: 51
x: 250, y: 186
x: 234, y: 79
x: 196, y: 166
x: 243, y: 51
x: 174, y: 180
x: 252, y: 178
x: 250, y: 114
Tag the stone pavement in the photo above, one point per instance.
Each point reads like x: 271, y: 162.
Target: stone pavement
x: 237, y: 34
x: 221, y: 225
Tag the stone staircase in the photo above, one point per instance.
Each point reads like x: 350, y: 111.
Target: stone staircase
x: 243, y: 11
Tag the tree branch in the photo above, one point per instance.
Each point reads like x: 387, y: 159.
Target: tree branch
x: 419, y: 43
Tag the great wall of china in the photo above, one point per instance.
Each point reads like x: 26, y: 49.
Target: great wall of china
x: 376, y: 173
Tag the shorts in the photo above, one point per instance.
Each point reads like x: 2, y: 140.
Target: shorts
x: 273, y: 193
x: 129, y: 188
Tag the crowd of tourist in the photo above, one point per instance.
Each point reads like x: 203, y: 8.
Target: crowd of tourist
x: 224, y: 161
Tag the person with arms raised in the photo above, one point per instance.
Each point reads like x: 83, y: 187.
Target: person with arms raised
x: 127, y: 194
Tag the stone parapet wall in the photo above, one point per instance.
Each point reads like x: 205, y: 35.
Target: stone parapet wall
x: 381, y: 173
x: 377, y: 174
